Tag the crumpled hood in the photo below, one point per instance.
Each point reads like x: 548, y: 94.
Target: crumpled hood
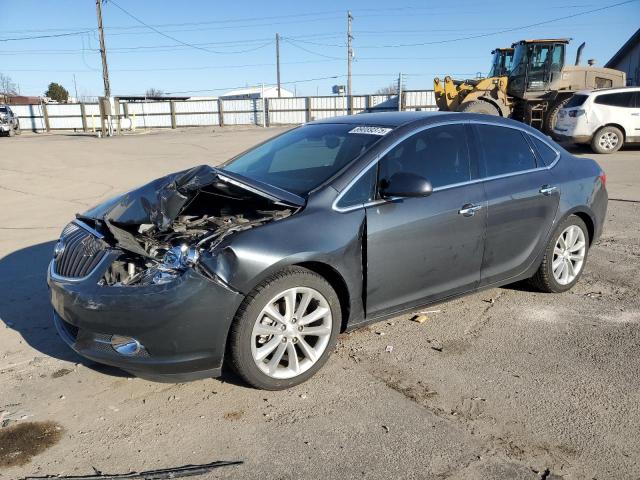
x: 160, y: 201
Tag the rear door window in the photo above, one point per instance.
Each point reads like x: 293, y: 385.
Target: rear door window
x: 547, y: 154
x: 620, y: 99
x: 504, y: 150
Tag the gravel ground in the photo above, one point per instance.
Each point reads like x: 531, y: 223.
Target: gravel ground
x: 507, y: 383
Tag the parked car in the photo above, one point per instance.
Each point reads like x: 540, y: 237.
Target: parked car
x: 9, y: 122
x: 606, y: 119
x: 260, y: 263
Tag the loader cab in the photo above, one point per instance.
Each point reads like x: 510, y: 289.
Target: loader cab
x: 501, y: 62
x: 536, y: 65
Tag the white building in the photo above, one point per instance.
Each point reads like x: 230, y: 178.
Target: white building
x: 269, y: 91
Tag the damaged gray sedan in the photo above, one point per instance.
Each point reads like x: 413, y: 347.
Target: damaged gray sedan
x: 260, y: 263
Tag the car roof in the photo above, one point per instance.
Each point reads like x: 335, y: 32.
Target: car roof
x: 608, y: 90
x: 407, y: 119
x: 382, y: 119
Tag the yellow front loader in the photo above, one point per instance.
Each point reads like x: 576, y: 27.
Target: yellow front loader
x: 484, y: 95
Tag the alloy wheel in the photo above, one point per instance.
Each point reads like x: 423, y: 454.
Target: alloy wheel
x: 568, y: 255
x: 608, y: 140
x: 291, y: 332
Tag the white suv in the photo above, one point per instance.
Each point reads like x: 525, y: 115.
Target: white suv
x: 606, y: 118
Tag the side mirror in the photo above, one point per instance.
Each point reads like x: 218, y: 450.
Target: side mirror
x: 402, y: 184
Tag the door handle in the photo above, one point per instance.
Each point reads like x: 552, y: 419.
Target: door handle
x: 547, y: 189
x: 635, y: 114
x: 469, y: 209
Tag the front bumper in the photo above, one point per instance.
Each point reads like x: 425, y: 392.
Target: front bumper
x: 182, y: 325
x: 5, y: 127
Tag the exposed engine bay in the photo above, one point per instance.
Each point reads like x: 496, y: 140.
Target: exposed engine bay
x: 164, y: 227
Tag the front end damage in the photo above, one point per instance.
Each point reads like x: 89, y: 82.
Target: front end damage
x: 129, y: 281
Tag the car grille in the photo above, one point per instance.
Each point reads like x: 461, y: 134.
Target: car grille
x: 81, y: 253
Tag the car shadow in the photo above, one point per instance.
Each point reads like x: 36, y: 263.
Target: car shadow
x: 25, y: 307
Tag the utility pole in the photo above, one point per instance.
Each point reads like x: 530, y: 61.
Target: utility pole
x: 75, y: 86
x: 349, y: 59
x: 103, y: 51
x: 278, y: 60
x: 400, y: 92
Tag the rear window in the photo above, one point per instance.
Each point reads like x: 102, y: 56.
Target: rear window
x: 576, y: 101
x: 547, y: 154
x: 505, y: 150
x: 621, y: 99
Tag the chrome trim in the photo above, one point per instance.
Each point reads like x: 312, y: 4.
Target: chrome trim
x: 87, y: 228
x: 60, y: 278
x: 444, y: 187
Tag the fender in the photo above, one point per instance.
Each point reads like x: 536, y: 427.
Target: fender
x: 247, y: 258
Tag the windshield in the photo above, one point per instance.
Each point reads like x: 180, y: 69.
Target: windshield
x: 501, y: 63
x: 577, y: 100
x: 302, y: 159
x: 519, y: 60
x: 4, y: 110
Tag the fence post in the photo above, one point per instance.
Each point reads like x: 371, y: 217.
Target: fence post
x: 83, y: 114
x: 307, y: 107
x: 172, y: 107
x: 116, y: 107
x: 265, y: 113
x: 369, y: 101
x: 220, y: 113
x: 45, y: 114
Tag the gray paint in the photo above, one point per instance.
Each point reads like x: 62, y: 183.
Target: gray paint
x: 391, y: 255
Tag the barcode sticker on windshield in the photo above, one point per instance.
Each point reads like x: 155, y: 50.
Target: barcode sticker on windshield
x: 371, y: 130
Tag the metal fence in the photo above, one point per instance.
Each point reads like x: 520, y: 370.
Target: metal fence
x: 197, y: 113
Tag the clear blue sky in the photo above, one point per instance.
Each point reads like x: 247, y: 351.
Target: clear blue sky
x: 236, y: 45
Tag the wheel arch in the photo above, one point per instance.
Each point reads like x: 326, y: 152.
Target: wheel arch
x: 337, y: 282
x: 586, y: 215
x: 616, y: 125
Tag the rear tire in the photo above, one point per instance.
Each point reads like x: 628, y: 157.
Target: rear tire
x: 267, y: 332
x: 479, y: 106
x: 552, y: 115
x: 608, y: 139
x: 568, y: 244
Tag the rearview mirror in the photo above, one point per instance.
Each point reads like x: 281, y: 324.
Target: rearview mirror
x: 403, y: 184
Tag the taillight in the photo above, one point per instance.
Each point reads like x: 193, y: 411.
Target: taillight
x: 603, y: 178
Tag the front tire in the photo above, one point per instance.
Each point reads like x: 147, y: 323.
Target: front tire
x: 479, y: 106
x: 608, y: 139
x: 564, y: 258
x: 285, y: 329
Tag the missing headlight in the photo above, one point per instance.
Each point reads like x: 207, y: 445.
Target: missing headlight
x: 130, y: 270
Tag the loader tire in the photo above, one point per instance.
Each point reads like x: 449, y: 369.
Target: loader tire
x: 479, y: 106
x: 552, y: 115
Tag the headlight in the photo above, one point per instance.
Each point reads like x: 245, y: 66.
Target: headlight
x: 174, y: 263
x: 575, y: 113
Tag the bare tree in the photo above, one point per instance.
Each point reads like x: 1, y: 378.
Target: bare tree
x: 390, y: 90
x: 7, y: 87
x: 153, y: 92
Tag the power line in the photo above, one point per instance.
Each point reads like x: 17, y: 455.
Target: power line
x: 507, y: 30
x: 177, y: 39
x: 286, y: 39
x: 56, y: 35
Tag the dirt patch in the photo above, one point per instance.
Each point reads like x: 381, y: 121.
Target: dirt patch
x: 61, y: 372
x: 235, y: 415
x: 21, y: 442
